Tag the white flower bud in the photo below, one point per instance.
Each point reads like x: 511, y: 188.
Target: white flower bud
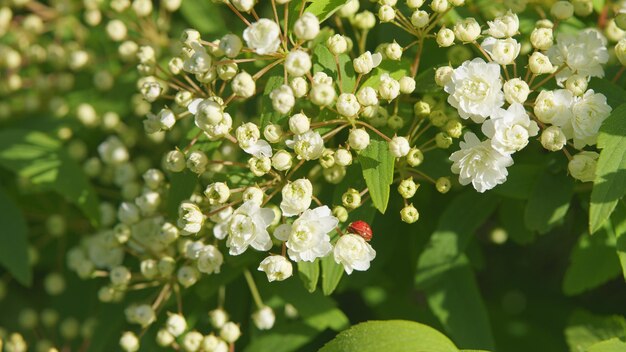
x: 230, y: 45
x: 244, y: 5
x: 175, y: 161
x: 300, y: 86
x: 282, y: 99
x: 393, y: 51
x: 505, y: 26
x: 190, y: 218
x: 191, y: 341
x: 365, y: 63
x: 620, y: 51
x: 299, y: 123
x: 541, y: 38
x: 358, y: 139
x: 420, y: 19
x: 502, y: 51
x: 176, y: 324
x: 577, y: 84
x: 142, y: 8
x: 298, y: 63
x: 516, y: 90
x: 349, y: 8
x: 273, y: 133
x: 243, y: 85
x: 562, y: 10
x: 347, y: 105
x: 197, y: 162
x: 230, y: 332
x: 583, y: 166
x: 553, y: 139
x: 322, y: 94
x: 389, y: 88
x: 386, y: 13
x: 337, y: 44
x: 129, y: 342
x: 128, y: 213
x: 120, y: 276
x: 263, y: 36
x: 442, y: 75
x: 351, y: 199
x: 407, y: 188
x: 264, y: 318
x: 540, y: 64
x: 260, y: 165
x: 414, y: 4
x: 409, y: 214
x: 164, y: 338
x: 116, y: 30
x: 217, y: 193
x: 218, y: 318
x: 467, y: 30
x: 367, y: 96
x: 364, y: 20
x: 187, y: 276
x: 343, y: 157
x: 445, y: 37
x: 407, y: 85
x: 171, y: 5
x: 399, y: 146
x: 307, y: 27
x: 253, y: 194
x: 281, y: 160
x: 439, y: 6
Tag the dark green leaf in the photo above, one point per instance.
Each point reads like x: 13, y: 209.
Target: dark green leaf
x: 618, y: 223
x: 204, y: 16
x: 268, y: 114
x: 182, y: 185
x: 331, y: 274
x: 309, y: 273
x: 520, y: 182
x: 377, y: 164
x: 391, y: 335
x: 13, y: 241
x: 610, y: 182
x: 548, y: 202
x: 42, y: 159
x: 286, y: 338
x: 592, y: 263
x: 425, y: 82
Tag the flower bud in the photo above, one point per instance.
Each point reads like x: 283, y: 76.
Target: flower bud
x: 175, y: 161
x: 445, y: 37
x: 218, y: 318
x: 542, y: 38
x: 260, y: 165
x: 358, y: 139
x: 119, y: 276
x: 420, y: 19
x: 562, y: 10
x: 388, y: 88
x: 576, y: 84
x: 407, y: 85
x: 281, y: 160
x: 327, y: 160
x: 299, y: 86
x: 409, y: 214
x: 467, y: 30
x: 347, y: 105
x: 340, y: 213
x: 443, y: 185
x: 414, y: 4
x: 230, y: 332
x: 129, y: 342
x: 407, y: 188
x: 439, y: 6
x: 386, y: 13
x: 583, y: 166
x: 197, y: 162
x: 164, y: 338
x: 307, y: 26
x: 364, y: 20
x: 322, y: 94
x: 298, y: 63
x: 516, y: 91
x: 176, y: 324
x: 187, y: 276
x: 620, y: 51
x: 337, y: 44
x: 243, y: 85
x: 553, y: 139
x: 415, y: 157
x: 273, y: 133
x: 540, y: 64
x: 217, y: 193
x: 343, y: 157
x: 365, y: 63
x: 264, y: 318
x: 583, y: 8
x: 282, y: 99
x: 351, y: 199
x: 442, y: 140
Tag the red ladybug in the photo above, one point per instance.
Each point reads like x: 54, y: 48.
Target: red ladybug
x: 362, y: 229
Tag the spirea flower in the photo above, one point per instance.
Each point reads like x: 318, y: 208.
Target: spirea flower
x: 480, y: 164
x: 353, y: 252
x: 583, y: 53
x: 308, y: 238
x: 276, y: 267
x: 475, y: 89
x: 247, y: 227
x: 297, y: 197
x: 263, y: 36
x: 510, y: 129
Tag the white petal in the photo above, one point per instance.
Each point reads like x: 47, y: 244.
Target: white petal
x: 193, y: 106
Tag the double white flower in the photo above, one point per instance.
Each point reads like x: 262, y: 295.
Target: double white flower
x: 307, y: 238
x: 247, y: 227
x: 353, y: 253
x: 263, y: 36
x: 510, y: 129
x: 297, y: 197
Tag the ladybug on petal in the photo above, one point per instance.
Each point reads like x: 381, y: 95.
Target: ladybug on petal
x: 362, y: 229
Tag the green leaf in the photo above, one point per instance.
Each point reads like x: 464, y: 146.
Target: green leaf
x: 309, y: 273
x: 425, y: 82
x: 13, y: 241
x: 395, y: 69
x: 391, y: 335
x: 331, y: 274
x: 43, y: 160
x: 592, y: 263
x: 612, y: 345
x: 268, y: 114
x: 325, y: 62
x: 585, y: 330
x: 548, y: 202
x: 377, y: 164
x: 462, y: 217
x: 286, y: 338
x: 323, y: 9
x: 610, y: 182
x: 204, y: 16
x: 513, y: 223
x: 182, y: 185
x: 618, y: 223
x: 520, y: 182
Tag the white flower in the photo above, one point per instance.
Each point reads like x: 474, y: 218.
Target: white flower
x: 282, y: 99
x: 247, y: 227
x: 190, y: 218
x: 264, y: 318
x: 309, y: 238
x: 263, y: 36
x: 502, y: 51
x: 248, y: 136
x: 308, y: 145
x: 298, y: 63
x: 475, y: 89
x: 516, y: 91
x: 554, y: 107
x: 210, y: 260
x: 276, y: 267
x: 467, y: 30
x: 353, y: 253
x: 480, y: 164
x: 589, y: 111
x: 510, y: 129
x: 504, y: 26
x: 366, y: 62
x: 297, y: 196
x: 307, y: 26
x: 584, y: 53
x: 583, y: 166
x: 389, y: 88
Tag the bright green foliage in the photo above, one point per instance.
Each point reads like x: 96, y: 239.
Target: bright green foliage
x: 377, y: 164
